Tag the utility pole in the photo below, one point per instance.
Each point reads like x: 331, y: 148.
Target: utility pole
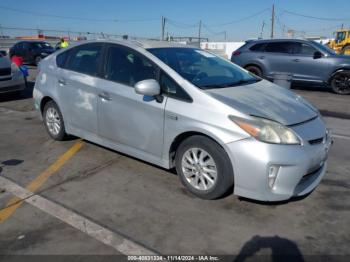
x: 262, y: 29
x: 199, y: 32
x: 225, y: 33
x: 163, y: 28
x: 342, y: 26
x: 273, y: 21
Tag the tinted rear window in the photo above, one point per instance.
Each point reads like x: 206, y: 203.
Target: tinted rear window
x: 279, y: 47
x: 258, y: 47
x: 85, y: 58
x: 61, y: 59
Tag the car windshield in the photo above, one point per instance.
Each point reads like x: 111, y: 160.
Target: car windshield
x: 42, y: 45
x: 325, y: 48
x: 203, y: 69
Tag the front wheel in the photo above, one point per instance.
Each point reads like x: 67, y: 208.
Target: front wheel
x: 54, y: 121
x: 340, y: 82
x: 204, y: 167
x: 255, y: 70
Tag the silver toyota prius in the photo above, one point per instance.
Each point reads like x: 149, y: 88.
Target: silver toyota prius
x: 221, y: 127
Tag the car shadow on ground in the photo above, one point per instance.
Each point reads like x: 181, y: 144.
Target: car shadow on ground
x: 311, y: 88
x: 14, y: 96
x: 274, y: 203
x: 282, y: 249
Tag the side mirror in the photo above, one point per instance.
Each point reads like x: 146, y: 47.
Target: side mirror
x: 317, y: 55
x: 149, y: 87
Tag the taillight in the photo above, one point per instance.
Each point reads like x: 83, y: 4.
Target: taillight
x: 235, y: 53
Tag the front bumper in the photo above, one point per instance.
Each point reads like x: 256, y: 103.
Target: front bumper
x: 12, y: 84
x: 300, y: 168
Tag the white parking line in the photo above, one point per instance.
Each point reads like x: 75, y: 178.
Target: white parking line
x: 341, y: 136
x: 104, y: 235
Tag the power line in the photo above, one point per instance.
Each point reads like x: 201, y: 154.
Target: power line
x: 180, y: 24
x: 212, y: 31
x: 283, y: 26
x: 242, y: 19
x: 315, y: 17
x: 75, y: 17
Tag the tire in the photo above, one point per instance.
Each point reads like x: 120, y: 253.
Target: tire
x: 196, y: 177
x: 255, y: 70
x: 340, y: 82
x: 53, y: 121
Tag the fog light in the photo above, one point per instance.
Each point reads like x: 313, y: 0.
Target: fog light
x: 273, y: 172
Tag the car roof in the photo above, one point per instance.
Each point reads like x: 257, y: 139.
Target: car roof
x: 31, y: 41
x: 277, y: 40
x: 146, y: 44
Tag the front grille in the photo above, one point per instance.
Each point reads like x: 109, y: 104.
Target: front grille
x: 310, y: 174
x: 5, y: 71
x: 316, y: 141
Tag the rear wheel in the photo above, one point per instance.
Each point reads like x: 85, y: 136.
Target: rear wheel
x: 340, y: 82
x: 204, y: 167
x: 54, y: 121
x: 255, y: 70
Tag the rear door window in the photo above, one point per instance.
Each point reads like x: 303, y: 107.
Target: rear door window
x: 126, y: 66
x: 279, y: 47
x: 85, y: 59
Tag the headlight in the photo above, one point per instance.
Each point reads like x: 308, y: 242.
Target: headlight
x: 267, y: 131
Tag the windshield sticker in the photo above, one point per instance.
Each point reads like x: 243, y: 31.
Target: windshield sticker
x: 203, y: 53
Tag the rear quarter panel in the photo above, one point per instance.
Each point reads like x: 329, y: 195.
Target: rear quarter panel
x: 46, y: 81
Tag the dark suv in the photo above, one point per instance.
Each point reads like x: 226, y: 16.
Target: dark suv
x: 307, y: 61
x: 32, y: 51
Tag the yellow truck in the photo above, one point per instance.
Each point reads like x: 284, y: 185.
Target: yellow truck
x: 341, y: 43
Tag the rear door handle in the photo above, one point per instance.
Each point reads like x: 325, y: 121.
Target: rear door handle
x: 296, y: 60
x: 105, y: 96
x: 62, y: 82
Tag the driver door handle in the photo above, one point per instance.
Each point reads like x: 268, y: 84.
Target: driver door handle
x: 105, y: 96
x: 296, y: 60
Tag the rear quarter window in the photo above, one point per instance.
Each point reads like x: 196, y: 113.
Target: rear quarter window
x: 258, y: 47
x: 61, y: 59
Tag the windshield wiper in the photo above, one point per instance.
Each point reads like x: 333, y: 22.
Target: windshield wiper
x: 237, y: 83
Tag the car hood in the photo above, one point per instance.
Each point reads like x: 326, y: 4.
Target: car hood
x: 267, y: 100
x: 5, y: 62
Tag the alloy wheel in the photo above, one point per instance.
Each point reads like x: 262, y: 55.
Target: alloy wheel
x: 53, y: 121
x: 199, y: 169
x: 341, y: 83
